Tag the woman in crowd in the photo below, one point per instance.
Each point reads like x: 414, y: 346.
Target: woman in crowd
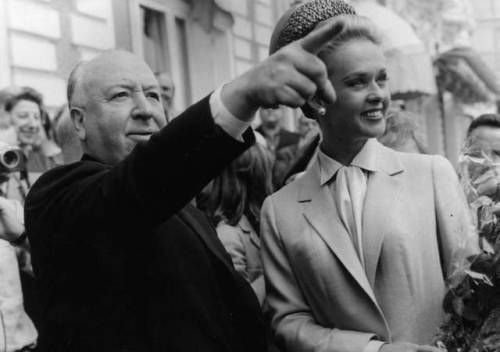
x: 356, y: 251
x: 32, y: 128
x: 233, y: 202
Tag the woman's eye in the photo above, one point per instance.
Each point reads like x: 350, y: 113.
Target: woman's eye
x: 383, y: 79
x: 356, y: 83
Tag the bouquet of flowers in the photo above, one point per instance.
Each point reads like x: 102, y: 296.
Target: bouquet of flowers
x: 472, y: 302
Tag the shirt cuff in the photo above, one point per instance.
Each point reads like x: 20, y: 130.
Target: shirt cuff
x: 225, y: 119
x: 373, y: 346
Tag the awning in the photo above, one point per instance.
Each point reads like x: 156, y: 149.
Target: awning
x: 462, y: 72
x: 409, y: 64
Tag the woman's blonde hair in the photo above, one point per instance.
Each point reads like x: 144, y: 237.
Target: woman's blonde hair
x: 352, y: 27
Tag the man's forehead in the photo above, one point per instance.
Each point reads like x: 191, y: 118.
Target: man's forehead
x: 118, y: 67
x: 486, y: 137
x: 120, y: 78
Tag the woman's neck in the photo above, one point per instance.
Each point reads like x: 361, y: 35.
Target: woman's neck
x: 341, y: 149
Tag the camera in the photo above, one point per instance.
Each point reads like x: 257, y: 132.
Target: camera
x: 12, y: 159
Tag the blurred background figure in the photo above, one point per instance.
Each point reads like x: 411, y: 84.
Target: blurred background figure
x: 272, y: 129
x: 232, y: 201
x: 307, y: 129
x: 167, y: 89
x: 479, y: 168
x: 282, y: 143
x: 18, y: 331
x: 66, y: 137
x: 401, y: 132
x: 7, y: 132
x: 34, y: 131
x: 38, y: 153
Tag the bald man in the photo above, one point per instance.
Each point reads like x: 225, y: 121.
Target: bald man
x: 167, y: 90
x: 124, y: 262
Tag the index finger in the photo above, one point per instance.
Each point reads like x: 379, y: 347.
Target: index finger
x: 322, y: 34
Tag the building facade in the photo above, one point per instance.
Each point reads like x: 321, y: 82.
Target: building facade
x: 203, y: 43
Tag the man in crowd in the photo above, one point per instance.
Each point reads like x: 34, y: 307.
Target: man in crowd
x: 272, y: 129
x: 123, y: 261
x: 481, y: 157
x: 167, y: 88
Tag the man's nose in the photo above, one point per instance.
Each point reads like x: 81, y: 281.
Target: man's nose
x: 143, y: 108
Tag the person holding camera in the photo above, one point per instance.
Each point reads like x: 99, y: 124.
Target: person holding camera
x: 31, y: 125
x: 17, y: 330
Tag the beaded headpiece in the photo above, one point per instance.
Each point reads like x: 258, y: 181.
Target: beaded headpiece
x: 298, y: 21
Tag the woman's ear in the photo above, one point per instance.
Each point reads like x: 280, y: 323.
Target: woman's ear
x: 78, y: 118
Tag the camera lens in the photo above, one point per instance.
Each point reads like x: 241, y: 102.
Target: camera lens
x: 10, y: 159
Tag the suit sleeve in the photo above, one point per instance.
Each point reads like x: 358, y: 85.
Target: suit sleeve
x: 155, y: 181
x: 456, y: 234
x: 293, y: 325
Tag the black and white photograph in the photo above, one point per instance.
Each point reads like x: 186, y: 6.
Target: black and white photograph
x: 249, y: 175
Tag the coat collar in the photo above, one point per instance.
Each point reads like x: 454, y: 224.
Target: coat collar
x: 366, y: 159
x: 380, y: 159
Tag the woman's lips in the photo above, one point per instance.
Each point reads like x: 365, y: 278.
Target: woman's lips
x: 373, y: 114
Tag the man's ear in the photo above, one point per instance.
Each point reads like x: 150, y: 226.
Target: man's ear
x: 78, y: 118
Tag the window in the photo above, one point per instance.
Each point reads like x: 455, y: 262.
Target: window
x: 154, y: 39
x: 253, y: 24
x: 159, y: 36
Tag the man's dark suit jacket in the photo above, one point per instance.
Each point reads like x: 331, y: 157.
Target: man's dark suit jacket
x: 124, y: 265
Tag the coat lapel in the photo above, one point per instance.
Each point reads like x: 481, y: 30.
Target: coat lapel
x: 382, y: 195
x: 321, y: 213
x: 200, y: 225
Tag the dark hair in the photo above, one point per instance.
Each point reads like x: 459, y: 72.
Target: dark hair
x: 488, y: 120
x: 300, y: 20
x: 28, y: 94
x: 240, y: 189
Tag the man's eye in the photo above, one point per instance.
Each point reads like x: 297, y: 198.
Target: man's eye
x: 154, y: 96
x: 119, y: 95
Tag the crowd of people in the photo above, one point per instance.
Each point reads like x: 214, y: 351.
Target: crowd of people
x: 127, y: 225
